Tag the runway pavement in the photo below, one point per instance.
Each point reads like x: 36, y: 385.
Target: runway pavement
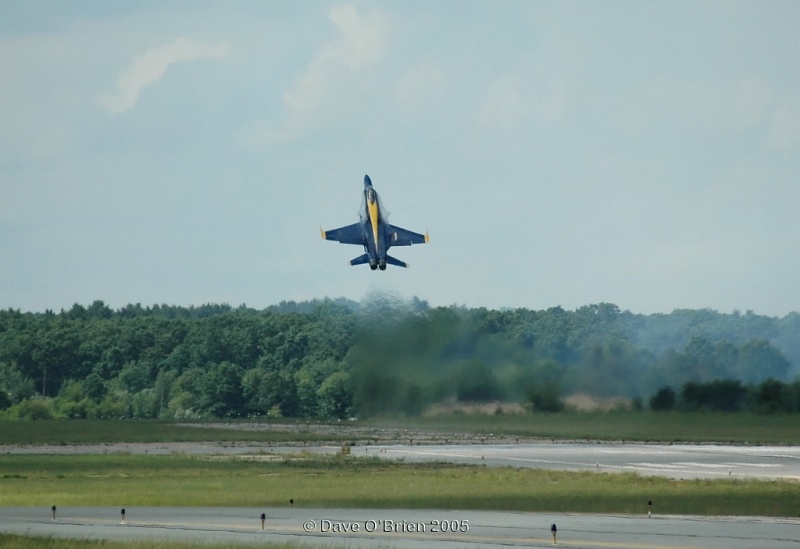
x: 414, y: 528
x: 680, y: 461
x: 403, y: 529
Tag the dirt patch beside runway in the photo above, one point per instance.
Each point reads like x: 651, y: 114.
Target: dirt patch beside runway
x: 358, y: 436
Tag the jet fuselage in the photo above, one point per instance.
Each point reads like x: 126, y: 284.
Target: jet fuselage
x: 374, y: 233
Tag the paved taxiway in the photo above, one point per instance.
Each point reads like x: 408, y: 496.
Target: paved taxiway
x: 403, y: 529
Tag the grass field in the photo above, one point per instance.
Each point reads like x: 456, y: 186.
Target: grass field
x: 634, y: 426
x: 136, y: 480
x: 122, y: 480
x: 108, y: 431
x: 10, y: 541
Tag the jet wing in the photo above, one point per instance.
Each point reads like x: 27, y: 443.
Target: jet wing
x: 351, y: 234
x: 399, y: 236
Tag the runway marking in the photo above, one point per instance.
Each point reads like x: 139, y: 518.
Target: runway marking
x: 734, y: 464
x: 683, y: 469
x: 509, y: 458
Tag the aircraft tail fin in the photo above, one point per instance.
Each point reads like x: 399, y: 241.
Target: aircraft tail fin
x: 360, y: 260
x: 396, y: 262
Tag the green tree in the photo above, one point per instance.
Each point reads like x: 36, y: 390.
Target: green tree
x: 725, y: 395
x: 33, y: 408
x: 773, y: 396
x: 307, y: 387
x: 475, y: 382
x: 135, y: 377
x: 220, y: 390
x: 663, y: 400
x: 759, y: 360
x: 546, y: 398
x: 333, y: 396
x: 699, y: 360
x: 162, y: 391
x: 185, y: 396
x: 263, y: 389
x: 145, y: 404
x: 14, y: 387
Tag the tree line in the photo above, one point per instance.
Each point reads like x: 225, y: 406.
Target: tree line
x: 730, y: 395
x: 337, y: 358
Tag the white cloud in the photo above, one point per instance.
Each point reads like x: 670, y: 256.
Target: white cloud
x: 150, y: 67
x: 360, y: 45
x: 507, y: 102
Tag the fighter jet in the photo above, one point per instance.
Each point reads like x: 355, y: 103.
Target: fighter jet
x: 375, y: 233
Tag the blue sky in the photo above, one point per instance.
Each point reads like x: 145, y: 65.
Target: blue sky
x: 559, y: 153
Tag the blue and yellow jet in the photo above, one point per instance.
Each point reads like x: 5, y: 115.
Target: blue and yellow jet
x: 374, y: 233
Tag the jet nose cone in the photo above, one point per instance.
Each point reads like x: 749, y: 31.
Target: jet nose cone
x: 367, y: 181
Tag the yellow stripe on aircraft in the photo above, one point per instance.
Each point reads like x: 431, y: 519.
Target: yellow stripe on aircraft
x: 373, y: 217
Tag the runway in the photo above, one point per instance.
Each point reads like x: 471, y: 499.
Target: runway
x: 679, y: 461
x: 415, y: 528
x: 403, y: 529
